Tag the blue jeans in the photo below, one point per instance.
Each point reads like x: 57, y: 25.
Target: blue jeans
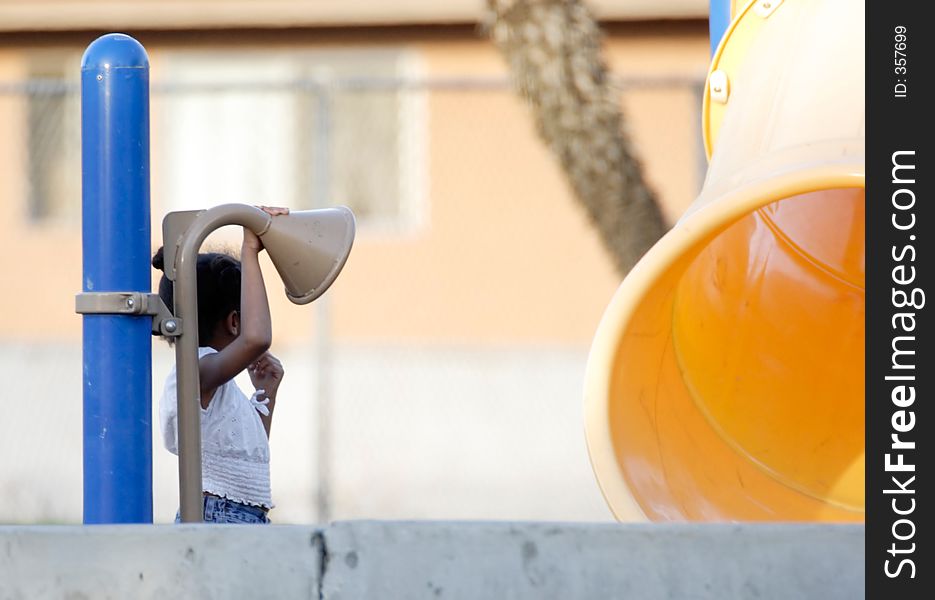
x: 222, y: 510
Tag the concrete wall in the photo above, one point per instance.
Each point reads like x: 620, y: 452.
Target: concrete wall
x: 437, y: 560
x: 79, y: 563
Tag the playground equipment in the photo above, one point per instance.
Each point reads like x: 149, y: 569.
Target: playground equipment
x: 308, y: 249
x: 725, y: 380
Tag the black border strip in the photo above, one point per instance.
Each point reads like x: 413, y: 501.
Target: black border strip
x: 899, y: 369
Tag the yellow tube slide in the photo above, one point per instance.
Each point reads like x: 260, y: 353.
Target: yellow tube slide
x: 725, y: 381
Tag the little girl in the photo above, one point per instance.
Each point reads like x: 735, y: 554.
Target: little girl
x: 234, y: 333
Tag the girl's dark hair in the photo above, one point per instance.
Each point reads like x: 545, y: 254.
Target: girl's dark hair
x: 218, y: 289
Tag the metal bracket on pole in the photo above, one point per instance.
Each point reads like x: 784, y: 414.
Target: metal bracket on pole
x: 130, y: 303
x: 174, y: 226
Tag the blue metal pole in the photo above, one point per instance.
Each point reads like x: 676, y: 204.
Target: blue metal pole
x: 718, y: 21
x: 117, y: 352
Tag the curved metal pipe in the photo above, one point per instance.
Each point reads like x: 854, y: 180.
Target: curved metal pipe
x: 186, y: 349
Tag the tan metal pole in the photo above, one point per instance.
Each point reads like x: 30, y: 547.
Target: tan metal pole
x: 186, y: 349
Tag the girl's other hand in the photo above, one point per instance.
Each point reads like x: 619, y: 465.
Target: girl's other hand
x: 266, y: 373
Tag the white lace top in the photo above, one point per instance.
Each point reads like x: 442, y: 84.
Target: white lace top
x: 234, y: 446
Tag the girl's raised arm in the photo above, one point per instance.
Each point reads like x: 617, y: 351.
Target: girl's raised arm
x: 252, y: 329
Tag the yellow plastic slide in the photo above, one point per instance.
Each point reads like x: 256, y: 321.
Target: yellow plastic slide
x: 726, y: 379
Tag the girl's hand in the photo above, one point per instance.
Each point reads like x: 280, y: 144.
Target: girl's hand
x: 266, y: 373
x: 251, y: 241
x: 274, y: 211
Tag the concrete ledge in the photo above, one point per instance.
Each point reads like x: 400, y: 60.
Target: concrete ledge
x: 358, y: 560
x: 163, y: 561
x: 543, y: 561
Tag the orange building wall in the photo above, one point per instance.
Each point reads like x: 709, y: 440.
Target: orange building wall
x: 504, y: 255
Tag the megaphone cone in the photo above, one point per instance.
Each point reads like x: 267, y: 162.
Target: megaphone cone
x: 309, y: 249
x: 725, y: 381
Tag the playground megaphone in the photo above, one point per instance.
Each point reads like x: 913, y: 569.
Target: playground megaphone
x: 725, y: 381
x: 308, y: 248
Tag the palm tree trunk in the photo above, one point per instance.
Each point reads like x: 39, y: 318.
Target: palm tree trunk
x: 553, y: 48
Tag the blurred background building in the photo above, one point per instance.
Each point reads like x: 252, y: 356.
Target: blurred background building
x: 441, y: 376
